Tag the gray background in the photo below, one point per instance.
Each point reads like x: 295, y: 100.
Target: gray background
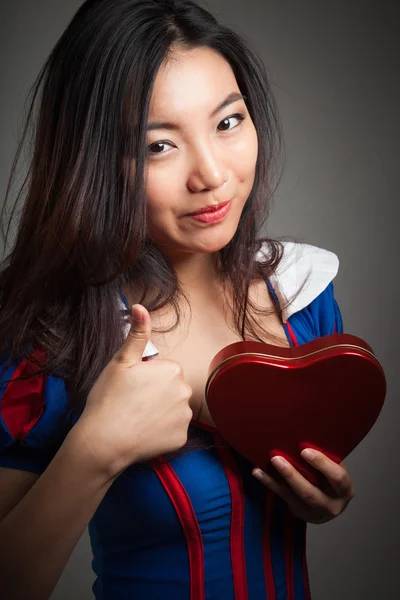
x: 334, y: 68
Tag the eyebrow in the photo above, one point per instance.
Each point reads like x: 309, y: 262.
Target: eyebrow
x: 233, y: 97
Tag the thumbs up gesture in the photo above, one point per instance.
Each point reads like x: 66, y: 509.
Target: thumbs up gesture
x: 136, y: 410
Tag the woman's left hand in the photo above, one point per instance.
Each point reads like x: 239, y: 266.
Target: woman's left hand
x: 306, y: 501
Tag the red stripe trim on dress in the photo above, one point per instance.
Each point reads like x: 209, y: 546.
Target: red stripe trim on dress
x: 289, y: 529
x: 291, y: 334
x: 190, y: 526
x: 289, y: 524
x: 267, y: 559
x: 22, y: 402
x: 290, y: 542
x: 304, y: 564
x: 235, y: 482
x: 306, y: 579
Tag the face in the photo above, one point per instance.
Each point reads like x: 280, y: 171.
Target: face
x: 202, y: 152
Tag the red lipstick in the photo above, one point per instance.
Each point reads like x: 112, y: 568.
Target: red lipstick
x: 211, y: 214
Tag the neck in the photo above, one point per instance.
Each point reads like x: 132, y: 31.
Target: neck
x: 197, y: 275
x: 196, y: 272
x: 200, y: 280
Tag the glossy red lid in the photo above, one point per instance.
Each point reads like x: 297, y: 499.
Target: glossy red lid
x: 267, y: 400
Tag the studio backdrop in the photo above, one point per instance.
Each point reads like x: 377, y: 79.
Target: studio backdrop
x: 334, y: 67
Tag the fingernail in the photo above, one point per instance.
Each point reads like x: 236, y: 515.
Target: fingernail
x: 278, y: 461
x: 307, y: 453
x: 257, y: 473
x: 138, y: 315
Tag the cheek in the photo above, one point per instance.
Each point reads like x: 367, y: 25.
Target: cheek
x: 161, y: 190
x: 246, y: 158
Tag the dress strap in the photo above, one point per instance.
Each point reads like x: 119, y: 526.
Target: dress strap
x: 291, y: 336
x: 123, y: 299
x: 274, y: 298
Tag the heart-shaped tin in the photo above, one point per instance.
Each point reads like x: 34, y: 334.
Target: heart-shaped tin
x: 267, y: 400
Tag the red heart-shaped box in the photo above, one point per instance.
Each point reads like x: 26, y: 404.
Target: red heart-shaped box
x: 267, y: 400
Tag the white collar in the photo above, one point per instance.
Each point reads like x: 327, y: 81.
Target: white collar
x: 301, y: 264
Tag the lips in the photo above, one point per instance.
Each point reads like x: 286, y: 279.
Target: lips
x: 208, y: 209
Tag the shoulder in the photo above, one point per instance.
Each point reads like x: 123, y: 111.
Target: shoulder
x: 33, y: 411
x: 303, y: 276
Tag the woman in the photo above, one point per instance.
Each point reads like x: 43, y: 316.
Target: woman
x: 154, y: 155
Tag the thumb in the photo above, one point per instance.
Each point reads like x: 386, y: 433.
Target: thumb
x: 132, y: 350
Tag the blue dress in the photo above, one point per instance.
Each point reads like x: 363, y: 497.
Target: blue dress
x: 199, y: 527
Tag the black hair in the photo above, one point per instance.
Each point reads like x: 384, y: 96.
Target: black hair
x: 81, y: 232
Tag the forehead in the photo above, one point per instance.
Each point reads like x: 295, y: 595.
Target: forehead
x: 191, y: 80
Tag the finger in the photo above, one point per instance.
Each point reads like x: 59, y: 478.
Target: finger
x: 132, y: 350
x: 281, y: 490
x: 303, y: 489
x: 336, y: 475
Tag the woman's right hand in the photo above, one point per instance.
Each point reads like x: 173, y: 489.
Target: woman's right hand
x: 136, y: 410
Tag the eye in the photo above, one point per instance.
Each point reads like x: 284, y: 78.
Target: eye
x: 226, y: 123
x: 158, y: 147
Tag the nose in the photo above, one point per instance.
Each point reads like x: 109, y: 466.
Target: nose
x: 207, y: 171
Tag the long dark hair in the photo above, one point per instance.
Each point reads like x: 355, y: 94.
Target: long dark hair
x: 81, y: 231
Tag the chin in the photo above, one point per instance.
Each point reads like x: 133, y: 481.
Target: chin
x: 215, y: 243
x: 208, y: 241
